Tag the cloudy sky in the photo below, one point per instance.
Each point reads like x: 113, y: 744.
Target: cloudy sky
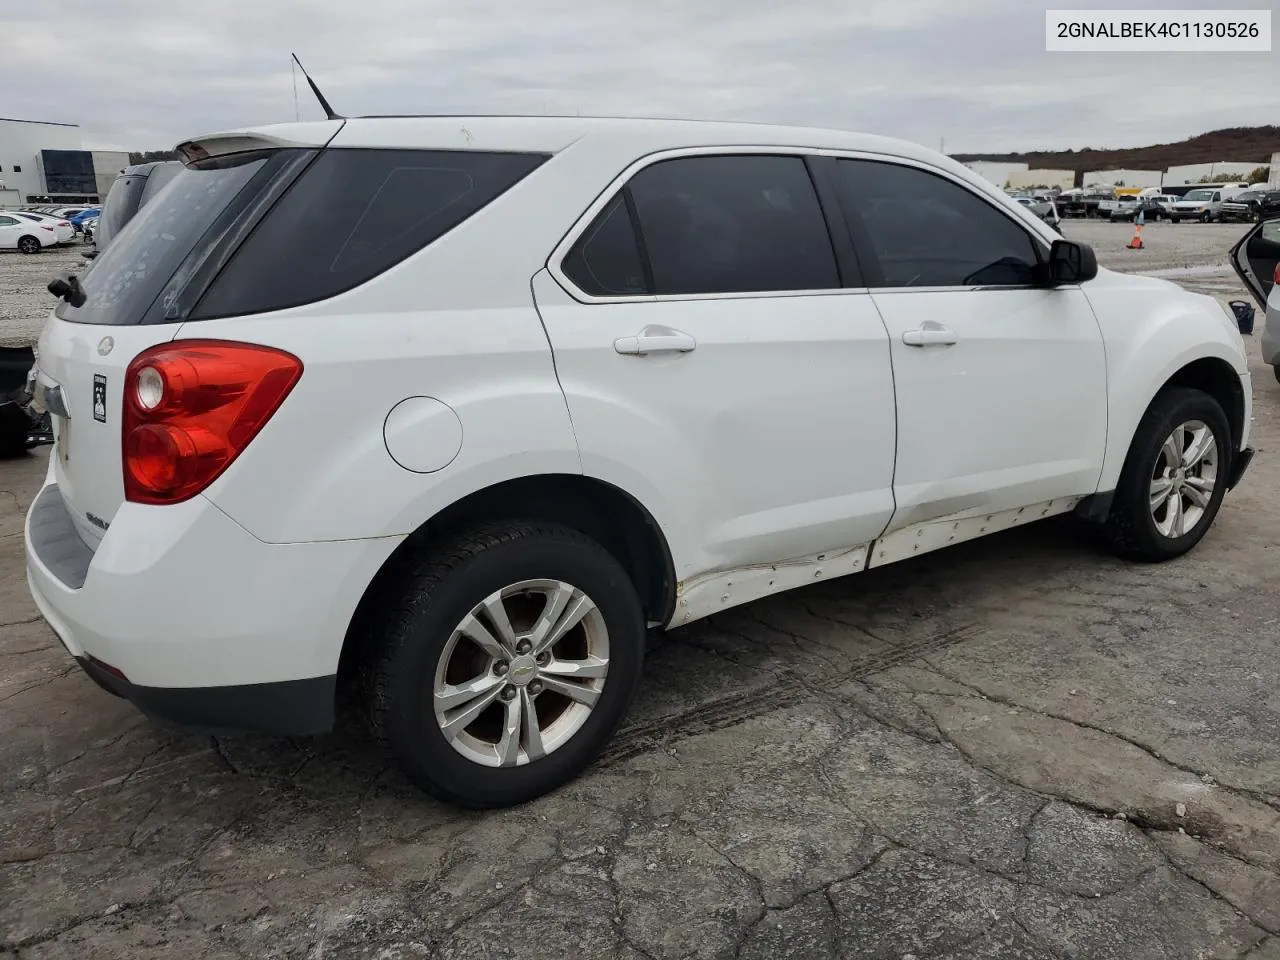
x: 143, y: 74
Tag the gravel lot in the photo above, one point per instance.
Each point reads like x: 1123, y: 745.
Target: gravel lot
x: 24, y: 301
x: 1017, y: 748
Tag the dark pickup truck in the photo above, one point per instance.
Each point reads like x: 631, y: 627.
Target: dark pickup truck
x: 1251, y: 206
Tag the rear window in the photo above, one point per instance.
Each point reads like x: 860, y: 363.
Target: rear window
x: 125, y: 280
x: 352, y: 215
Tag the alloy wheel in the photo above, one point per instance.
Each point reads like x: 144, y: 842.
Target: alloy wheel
x: 521, y: 674
x: 1183, y: 479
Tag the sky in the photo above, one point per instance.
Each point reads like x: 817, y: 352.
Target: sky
x: 970, y: 74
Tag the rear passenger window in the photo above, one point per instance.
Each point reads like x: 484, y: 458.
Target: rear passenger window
x: 606, y: 261
x: 926, y: 231
x: 353, y: 215
x: 733, y: 224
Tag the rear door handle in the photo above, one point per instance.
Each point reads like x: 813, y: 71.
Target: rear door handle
x: 655, y: 339
x: 929, y: 335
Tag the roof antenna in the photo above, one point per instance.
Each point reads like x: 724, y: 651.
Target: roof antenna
x: 324, y: 104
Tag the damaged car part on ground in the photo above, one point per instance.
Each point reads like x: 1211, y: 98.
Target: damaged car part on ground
x: 605, y: 363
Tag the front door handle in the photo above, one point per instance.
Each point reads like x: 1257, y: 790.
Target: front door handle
x: 930, y: 334
x: 654, y: 339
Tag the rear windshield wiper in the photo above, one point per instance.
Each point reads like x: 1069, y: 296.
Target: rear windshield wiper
x: 67, y: 287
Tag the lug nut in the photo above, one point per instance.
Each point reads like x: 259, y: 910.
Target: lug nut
x: 501, y: 668
x: 523, y: 647
x: 535, y: 687
x: 544, y: 659
x: 508, y: 692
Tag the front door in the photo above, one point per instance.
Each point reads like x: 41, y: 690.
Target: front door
x: 1001, y: 385
x: 715, y: 369
x: 1255, y: 258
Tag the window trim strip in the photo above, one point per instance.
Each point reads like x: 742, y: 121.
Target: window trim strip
x: 555, y: 259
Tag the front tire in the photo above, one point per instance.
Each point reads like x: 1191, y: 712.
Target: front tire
x: 28, y: 245
x: 509, y: 660
x: 1173, y: 479
x: 1206, y: 217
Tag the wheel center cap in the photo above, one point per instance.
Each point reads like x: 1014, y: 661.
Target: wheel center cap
x: 523, y: 669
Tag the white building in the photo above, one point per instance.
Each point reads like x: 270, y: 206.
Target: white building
x: 1040, y: 177
x: 1124, y: 178
x: 106, y: 165
x: 47, y: 162
x: 1220, y: 171
x: 997, y: 171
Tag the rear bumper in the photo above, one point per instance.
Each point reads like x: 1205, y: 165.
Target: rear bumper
x: 208, y: 627
x: 288, y: 708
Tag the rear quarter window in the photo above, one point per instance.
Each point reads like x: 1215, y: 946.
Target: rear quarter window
x: 352, y: 215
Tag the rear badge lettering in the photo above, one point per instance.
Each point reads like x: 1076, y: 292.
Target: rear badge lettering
x: 100, y: 397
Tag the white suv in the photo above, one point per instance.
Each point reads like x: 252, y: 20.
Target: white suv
x: 458, y: 407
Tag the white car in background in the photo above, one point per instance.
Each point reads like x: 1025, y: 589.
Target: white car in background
x: 25, y: 236
x: 63, y: 231
x: 613, y: 375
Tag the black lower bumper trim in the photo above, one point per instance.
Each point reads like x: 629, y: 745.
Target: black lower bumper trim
x: 292, y: 708
x: 1239, y: 465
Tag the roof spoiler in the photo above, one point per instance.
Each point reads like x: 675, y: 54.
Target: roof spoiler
x: 313, y: 134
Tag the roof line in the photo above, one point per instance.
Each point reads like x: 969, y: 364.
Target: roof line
x: 566, y: 116
x: 47, y: 123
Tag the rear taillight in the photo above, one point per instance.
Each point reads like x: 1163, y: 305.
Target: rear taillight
x: 64, y: 223
x: 43, y: 227
x: 191, y: 407
x: 1275, y: 277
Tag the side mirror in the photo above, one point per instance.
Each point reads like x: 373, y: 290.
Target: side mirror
x: 1070, y: 262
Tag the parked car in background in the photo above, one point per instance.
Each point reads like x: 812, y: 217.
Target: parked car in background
x: 78, y: 219
x: 1204, y: 204
x: 1251, y: 206
x: 1128, y: 208
x: 63, y: 231
x: 1043, y: 207
x: 25, y: 236
x: 611, y: 374
x: 131, y: 190
x: 68, y: 213
x: 1256, y: 258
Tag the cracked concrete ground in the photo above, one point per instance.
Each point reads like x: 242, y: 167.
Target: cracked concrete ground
x: 1018, y: 748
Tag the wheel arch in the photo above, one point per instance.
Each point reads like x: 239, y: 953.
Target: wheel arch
x: 1220, y: 380
x: 595, y: 508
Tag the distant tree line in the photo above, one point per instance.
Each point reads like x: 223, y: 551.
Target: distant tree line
x: 151, y: 156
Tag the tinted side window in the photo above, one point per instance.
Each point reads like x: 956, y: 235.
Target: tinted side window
x: 733, y: 224
x: 926, y: 231
x: 353, y: 215
x: 606, y: 260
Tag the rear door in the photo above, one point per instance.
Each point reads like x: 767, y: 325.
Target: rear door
x: 1256, y: 257
x: 10, y: 230
x: 714, y: 365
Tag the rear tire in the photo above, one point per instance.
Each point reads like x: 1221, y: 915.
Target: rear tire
x: 1174, y: 477
x: 1276, y: 370
x: 28, y: 245
x: 429, y: 665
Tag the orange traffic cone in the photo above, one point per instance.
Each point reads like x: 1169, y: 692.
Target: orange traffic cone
x: 1136, y: 242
